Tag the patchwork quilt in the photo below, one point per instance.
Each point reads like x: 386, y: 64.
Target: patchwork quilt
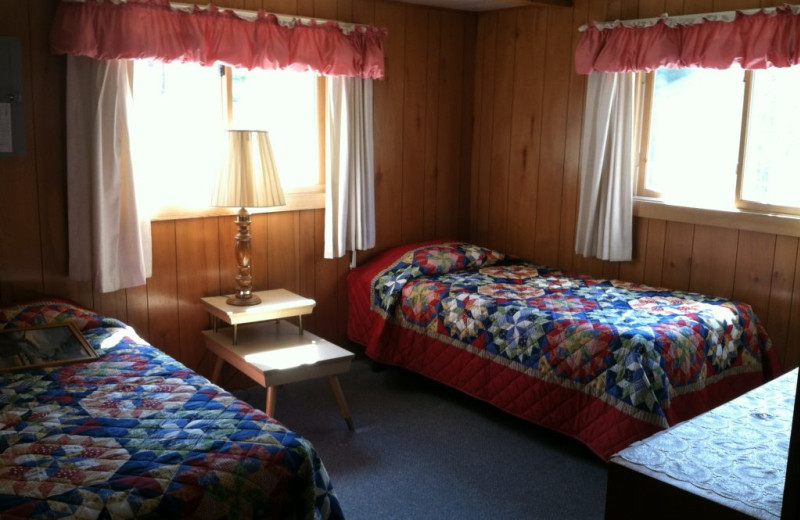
x: 136, y: 434
x: 605, y: 361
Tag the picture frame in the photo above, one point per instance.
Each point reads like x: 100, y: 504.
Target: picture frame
x: 43, y: 346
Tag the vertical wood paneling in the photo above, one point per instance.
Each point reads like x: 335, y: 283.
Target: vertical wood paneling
x: 388, y: 138
x: 569, y: 191
x: 325, y: 284
x: 162, y: 291
x: 468, y: 123
x: 282, y: 251
x: 448, y: 173
x: 780, y: 293
x: 482, y: 147
x: 433, y: 93
x: 634, y: 270
x: 712, y: 270
x: 791, y: 351
x: 414, y: 104
x: 558, y: 69
x: 20, y: 253
x: 504, y: 58
x: 676, y: 269
x: 754, y: 261
x: 654, y: 252
x: 526, y: 131
x: 198, y: 276
x: 308, y: 239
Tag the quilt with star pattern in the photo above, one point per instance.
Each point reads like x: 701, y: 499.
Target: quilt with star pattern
x: 136, y: 434
x: 607, y: 362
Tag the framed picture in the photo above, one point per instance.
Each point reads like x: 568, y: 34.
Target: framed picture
x: 43, y: 346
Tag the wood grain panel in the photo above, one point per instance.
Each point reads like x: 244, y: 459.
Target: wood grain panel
x: 49, y: 115
x: 526, y: 131
x: 654, y: 251
x: 558, y: 69
x: 754, y: 261
x: 504, y: 59
x: 197, y: 259
x: 791, y: 349
x: 282, y: 251
x: 162, y: 291
x: 281, y: 6
x: 111, y: 303
x: 20, y: 254
x: 634, y: 270
x: 433, y: 93
x: 780, y: 294
x: 482, y: 185
x: 388, y: 138
x: 136, y: 301
x: 306, y: 255
x: 676, y: 269
x: 468, y: 123
x: 712, y: 271
x: 449, y: 174
x: 414, y: 104
x: 325, y: 284
x: 570, y: 188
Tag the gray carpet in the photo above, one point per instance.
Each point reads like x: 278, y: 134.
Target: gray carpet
x: 421, y: 450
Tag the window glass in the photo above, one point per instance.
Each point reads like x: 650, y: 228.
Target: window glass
x: 177, y: 132
x: 694, y: 135
x: 771, y: 173
x: 260, y: 102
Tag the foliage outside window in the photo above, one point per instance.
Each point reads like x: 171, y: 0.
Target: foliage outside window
x: 721, y: 139
x: 181, y: 111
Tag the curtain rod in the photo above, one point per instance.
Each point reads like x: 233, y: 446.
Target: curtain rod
x: 251, y: 15
x: 283, y: 18
x: 687, y: 19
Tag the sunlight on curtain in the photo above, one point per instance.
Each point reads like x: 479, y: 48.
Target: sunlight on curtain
x: 109, y: 238
x: 349, y: 199
x: 605, y: 215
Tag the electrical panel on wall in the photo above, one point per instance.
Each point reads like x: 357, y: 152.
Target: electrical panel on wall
x: 12, y: 122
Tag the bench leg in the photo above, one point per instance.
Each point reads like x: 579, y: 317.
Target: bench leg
x: 337, y: 393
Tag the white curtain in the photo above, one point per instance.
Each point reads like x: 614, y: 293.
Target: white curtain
x: 349, y: 195
x: 605, y: 215
x: 109, y: 241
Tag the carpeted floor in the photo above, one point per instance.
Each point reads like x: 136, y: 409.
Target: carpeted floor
x: 421, y: 450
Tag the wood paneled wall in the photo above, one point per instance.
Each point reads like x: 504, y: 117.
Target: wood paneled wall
x: 477, y: 135
x: 524, y: 186
x: 423, y: 132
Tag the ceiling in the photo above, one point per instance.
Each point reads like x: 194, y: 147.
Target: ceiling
x: 482, y: 5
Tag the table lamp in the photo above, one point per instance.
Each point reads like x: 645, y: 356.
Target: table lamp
x: 249, y: 179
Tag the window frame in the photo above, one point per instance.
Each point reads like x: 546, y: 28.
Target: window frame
x: 297, y: 199
x: 742, y: 214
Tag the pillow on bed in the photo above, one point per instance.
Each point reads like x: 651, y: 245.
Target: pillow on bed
x: 429, y: 259
x: 53, y: 310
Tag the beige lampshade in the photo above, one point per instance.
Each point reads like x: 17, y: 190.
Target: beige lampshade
x: 249, y: 177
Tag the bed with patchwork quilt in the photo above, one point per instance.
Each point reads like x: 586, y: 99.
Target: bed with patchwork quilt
x: 606, y: 362
x: 136, y: 434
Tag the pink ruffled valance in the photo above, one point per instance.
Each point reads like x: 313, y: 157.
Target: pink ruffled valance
x: 755, y: 40
x: 153, y: 29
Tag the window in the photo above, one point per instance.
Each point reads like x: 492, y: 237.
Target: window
x: 721, y: 139
x: 181, y: 111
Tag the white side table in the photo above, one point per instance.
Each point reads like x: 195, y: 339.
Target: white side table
x: 274, y: 354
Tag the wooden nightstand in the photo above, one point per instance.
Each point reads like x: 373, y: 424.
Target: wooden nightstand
x: 276, y: 353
